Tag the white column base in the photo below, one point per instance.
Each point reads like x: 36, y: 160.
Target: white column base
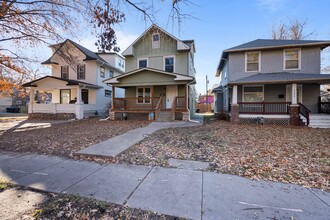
x: 79, y: 107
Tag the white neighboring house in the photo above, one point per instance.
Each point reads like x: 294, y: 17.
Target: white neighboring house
x: 76, y: 85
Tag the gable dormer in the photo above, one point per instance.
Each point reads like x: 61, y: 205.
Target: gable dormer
x: 155, y: 38
x: 158, y: 49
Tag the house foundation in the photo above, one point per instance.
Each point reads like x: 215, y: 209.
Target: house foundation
x: 234, y: 113
x: 294, y: 115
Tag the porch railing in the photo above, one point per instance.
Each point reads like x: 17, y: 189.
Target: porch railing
x: 264, y: 107
x: 324, y: 107
x: 135, y: 104
x: 304, y: 111
x: 158, y: 108
x: 180, y: 103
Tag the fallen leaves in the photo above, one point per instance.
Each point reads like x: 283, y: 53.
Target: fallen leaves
x: 275, y: 153
x: 65, y: 138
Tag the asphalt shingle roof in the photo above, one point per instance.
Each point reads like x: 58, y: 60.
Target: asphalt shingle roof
x: 283, y: 77
x: 69, y: 82
x: 268, y: 43
x: 90, y: 55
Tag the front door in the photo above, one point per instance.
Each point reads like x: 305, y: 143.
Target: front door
x: 171, y: 93
x: 84, y: 96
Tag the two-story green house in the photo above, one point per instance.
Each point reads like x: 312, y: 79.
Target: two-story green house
x: 159, y: 78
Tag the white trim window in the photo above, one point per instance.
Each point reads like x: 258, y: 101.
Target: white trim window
x: 111, y: 73
x: 292, y: 59
x: 169, y: 64
x: 253, y: 93
x: 102, y: 71
x: 81, y: 71
x: 142, y: 63
x: 155, y: 41
x: 65, y: 72
x: 143, y: 95
x: 107, y: 93
x: 252, y: 61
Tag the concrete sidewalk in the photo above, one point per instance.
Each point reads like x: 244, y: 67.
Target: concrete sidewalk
x: 178, y: 192
x: 118, y: 144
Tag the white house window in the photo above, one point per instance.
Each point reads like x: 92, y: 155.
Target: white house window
x: 142, y: 63
x: 169, y: 64
x: 253, y: 93
x: 111, y: 74
x: 81, y: 71
x: 292, y: 59
x: 107, y: 93
x: 252, y: 61
x: 155, y: 41
x: 143, y: 95
x: 65, y: 72
x: 102, y: 72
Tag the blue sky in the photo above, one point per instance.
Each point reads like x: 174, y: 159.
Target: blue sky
x: 221, y: 24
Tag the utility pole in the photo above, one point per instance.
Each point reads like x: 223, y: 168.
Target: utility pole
x: 206, y: 96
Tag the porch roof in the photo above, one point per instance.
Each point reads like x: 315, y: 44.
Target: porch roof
x: 176, y: 77
x: 283, y: 77
x: 70, y: 82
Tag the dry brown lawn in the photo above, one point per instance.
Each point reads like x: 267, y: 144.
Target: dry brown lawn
x: 63, y: 139
x: 276, y: 153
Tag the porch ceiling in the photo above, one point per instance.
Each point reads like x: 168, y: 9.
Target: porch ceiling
x: 148, y: 77
x: 52, y: 81
x: 283, y: 77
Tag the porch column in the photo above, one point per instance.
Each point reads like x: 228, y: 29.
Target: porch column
x: 294, y: 107
x: 79, y: 105
x: 294, y: 94
x: 113, y: 94
x: 234, y: 107
x: 234, y: 95
x: 186, y: 92
x: 31, y: 103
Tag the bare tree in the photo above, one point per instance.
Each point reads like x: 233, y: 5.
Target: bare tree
x: 35, y: 22
x: 293, y: 30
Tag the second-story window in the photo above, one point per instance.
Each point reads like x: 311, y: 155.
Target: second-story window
x: 169, y: 64
x: 65, y: 72
x: 142, y: 63
x: 102, y: 72
x: 81, y: 69
x: 291, y: 59
x: 111, y: 74
x: 252, y: 61
x: 155, y: 41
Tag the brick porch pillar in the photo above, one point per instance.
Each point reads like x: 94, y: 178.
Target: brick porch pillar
x: 234, y: 113
x: 294, y: 115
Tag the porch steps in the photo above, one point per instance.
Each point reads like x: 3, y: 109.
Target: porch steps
x: 319, y: 121
x: 165, y: 116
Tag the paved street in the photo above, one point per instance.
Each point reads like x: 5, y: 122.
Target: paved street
x: 179, y: 192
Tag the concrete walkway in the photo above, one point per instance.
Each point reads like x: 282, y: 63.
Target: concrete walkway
x: 178, y: 192
x: 118, y: 144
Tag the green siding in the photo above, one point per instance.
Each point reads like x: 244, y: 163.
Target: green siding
x: 148, y: 78
x: 168, y: 47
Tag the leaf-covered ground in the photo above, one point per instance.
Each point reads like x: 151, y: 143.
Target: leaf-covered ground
x: 62, y: 139
x: 276, y: 153
x: 76, y: 207
x: 68, y: 206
